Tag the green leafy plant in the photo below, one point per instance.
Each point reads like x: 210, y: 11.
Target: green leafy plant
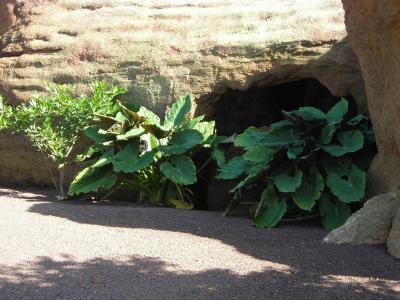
x: 311, y: 162
x: 134, y: 149
x: 53, y: 122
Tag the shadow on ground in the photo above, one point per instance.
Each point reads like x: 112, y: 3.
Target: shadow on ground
x: 317, y: 270
x: 147, y: 278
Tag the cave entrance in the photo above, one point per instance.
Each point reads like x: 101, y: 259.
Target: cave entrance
x: 258, y: 106
x: 236, y: 110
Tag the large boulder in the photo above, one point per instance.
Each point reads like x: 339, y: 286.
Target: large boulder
x: 159, y: 50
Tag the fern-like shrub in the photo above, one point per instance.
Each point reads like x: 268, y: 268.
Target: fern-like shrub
x: 53, y: 122
x: 134, y: 150
x: 312, y: 162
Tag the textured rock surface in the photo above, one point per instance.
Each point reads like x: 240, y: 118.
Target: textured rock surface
x: 159, y: 50
x: 374, y: 30
x: 371, y: 224
x: 7, y: 16
x: 393, y: 242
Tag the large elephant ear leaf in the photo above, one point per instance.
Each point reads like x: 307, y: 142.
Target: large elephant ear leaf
x: 334, y: 214
x: 250, y: 138
x: 279, y: 137
x: 310, y: 190
x: 270, y: 209
x: 286, y: 180
x: 259, y: 154
x: 151, y: 118
x: 338, y: 111
x: 337, y: 165
x: 92, y: 132
x: 350, y: 190
x: 180, y: 170
x: 177, y: 114
x: 92, y: 180
x: 127, y: 160
x: 350, y: 141
x: 182, y: 141
x: 206, y: 129
x: 234, y: 168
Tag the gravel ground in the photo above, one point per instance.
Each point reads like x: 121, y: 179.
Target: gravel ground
x: 66, y: 250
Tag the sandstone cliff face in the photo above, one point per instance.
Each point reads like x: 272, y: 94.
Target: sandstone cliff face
x: 7, y: 16
x: 159, y: 50
x: 374, y: 31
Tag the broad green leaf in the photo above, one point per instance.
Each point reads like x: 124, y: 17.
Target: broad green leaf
x: 327, y: 133
x: 120, y: 117
x: 134, y: 132
x: 350, y: 190
x: 270, y: 209
x: 234, y: 168
x: 307, y: 114
x: 280, y: 137
x: 178, y: 112
x: 249, y: 138
x: 338, y: 111
x: 191, y: 124
x: 294, y: 150
x: 219, y: 156
x: 127, y: 155
x: 151, y: 118
x: 337, y: 165
x: 182, y: 141
x: 131, y: 110
x: 92, y: 132
x: 333, y: 215
x: 282, y: 123
x: 206, y: 129
x: 253, y: 173
x: 180, y: 170
x: 350, y: 141
x: 310, y: 190
x: 92, y: 180
x: 130, y: 163
x: 259, y: 154
x: 286, y: 180
x: 105, y: 159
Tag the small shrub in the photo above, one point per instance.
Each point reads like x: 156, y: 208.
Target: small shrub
x: 311, y: 162
x: 54, y: 122
x: 134, y: 150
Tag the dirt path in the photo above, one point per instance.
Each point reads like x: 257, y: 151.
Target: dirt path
x: 54, y: 250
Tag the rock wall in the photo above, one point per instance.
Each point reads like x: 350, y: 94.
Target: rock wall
x: 159, y: 50
x: 374, y: 29
x: 7, y: 16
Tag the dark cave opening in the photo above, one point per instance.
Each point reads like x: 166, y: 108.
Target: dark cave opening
x: 258, y: 106
x: 236, y: 110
